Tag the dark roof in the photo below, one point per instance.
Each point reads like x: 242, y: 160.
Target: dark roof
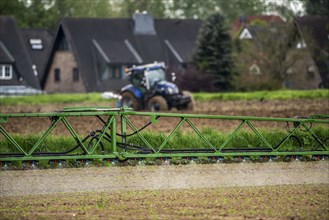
x: 108, y: 36
x: 272, y: 31
x: 318, y: 27
x: 248, y: 20
x: 266, y: 18
x: 180, y: 33
x: 5, y: 55
x: 39, y: 55
x: 314, y: 30
x: 13, y: 50
x: 117, y: 42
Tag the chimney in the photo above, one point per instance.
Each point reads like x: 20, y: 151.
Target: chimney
x: 143, y: 23
x: 243, y: 20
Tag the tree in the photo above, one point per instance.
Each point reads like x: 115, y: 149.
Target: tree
x: 231, y: 9
x: 82, y: 8
x: 79, y: 8
x: 316, y: 7
x: 191, y: 8
x: 213, y: 51
x: 47, y: 13
x: 14, y: 8
x: 38, y: 14
x: 288, y: 9
x: 154, y: 7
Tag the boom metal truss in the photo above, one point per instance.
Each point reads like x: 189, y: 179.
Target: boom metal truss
x: 111, y: 140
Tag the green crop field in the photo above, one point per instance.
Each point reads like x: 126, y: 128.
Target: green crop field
x: 269, y: 95
x: 96, y: 97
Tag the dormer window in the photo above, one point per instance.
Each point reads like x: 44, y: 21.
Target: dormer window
x: 35, y: 71
x: 245, y: 34
x: 36, y: 44
x: 301, y: 44
x: 6, y: 71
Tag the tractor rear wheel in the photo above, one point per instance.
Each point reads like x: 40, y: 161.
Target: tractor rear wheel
x: 157, y: 103
x: 129, y: 100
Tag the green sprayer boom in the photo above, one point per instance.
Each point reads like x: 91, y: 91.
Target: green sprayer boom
x: 121, y: 134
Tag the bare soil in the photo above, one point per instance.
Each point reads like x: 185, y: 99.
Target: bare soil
x: 284, y: 202
x: 295, y: 190
x: 107, y: 179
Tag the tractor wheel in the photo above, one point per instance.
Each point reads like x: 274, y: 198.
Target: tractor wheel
x: 157, y: 103
x: 189, y: 106
x: 129, y: 100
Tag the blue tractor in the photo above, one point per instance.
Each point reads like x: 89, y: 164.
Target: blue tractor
x: 150, y: 90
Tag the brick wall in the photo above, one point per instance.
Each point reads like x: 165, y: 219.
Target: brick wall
x: 65, y: 62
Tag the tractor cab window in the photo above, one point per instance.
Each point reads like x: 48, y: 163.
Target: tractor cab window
x: 137, y: 78
x: 154, y: 76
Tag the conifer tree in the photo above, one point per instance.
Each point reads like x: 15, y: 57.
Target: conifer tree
x: 213, y: 51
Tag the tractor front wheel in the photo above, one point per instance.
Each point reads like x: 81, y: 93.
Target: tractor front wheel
x: 157, y: 103
x: 189, y: 106
x: 129, y: 100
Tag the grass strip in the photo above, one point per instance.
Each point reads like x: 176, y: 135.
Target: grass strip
x: 181, y: 140
x: 269, y: 95
x: 97, y: 98
x: 53, y: 98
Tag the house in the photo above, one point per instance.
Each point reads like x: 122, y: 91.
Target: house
x: 261, y: 49
x: 313, y: 38
x: 276, y: 55
x: 17, y: 75
x: 91, y: 54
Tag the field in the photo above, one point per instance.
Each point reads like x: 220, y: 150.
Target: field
x: 278, y: 190
x: 295, y: 190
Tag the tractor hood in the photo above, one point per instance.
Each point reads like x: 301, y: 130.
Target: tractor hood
x: 166, y: 88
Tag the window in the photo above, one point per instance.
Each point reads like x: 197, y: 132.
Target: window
x: 36, y: 44
x: 290, y: 71
x: 57, y: 75
x: 63, y: 45
x: 254, y: 70
x: 35, y: 70
x: 115, y: 72
x: 6, y: 71
x: 75, y: 74
x: 311, y: 72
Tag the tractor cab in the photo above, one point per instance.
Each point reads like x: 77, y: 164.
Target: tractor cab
x: 146, y: 76
x: 154, y: 76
